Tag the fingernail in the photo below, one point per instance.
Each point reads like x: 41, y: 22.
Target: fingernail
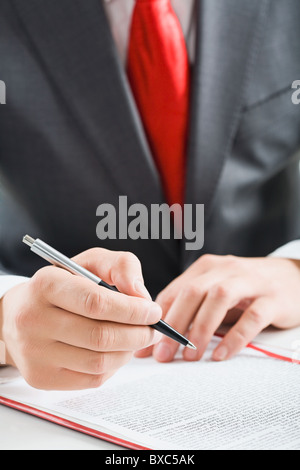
x: 162, y: 352
x: 220, y: 354
x: 141, y: 289
x: 154, y: 314
x: 190, y: 354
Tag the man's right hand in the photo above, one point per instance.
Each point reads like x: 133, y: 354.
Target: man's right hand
x: 64, y: 332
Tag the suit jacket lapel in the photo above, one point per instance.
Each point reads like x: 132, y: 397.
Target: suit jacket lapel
x: 72, y: 40
x: 228, y: 32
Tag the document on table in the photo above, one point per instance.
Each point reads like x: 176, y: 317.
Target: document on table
x: 249, y: 402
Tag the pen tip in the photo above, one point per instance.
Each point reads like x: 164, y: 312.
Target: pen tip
x: 191, y: 346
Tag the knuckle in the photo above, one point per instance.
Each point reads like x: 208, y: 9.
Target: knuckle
x: 131, y: 257
x: 21, y: 319
x: 122, y: 264
x: 41, y: 281
x: 137, y: 311
x: 203, y: 331
x: 207, y: 260
x: 254, y: 316
x: 134, y: 313
x: 95, y: 336
x: 241, y: 336
x: 190, y: 290
x: 24, y: 319
x: 237, y: 265
x: 126, y: 258
x: 221, y: 292
x: 106, y: 338
x: 97, y: 363
x: 145, y: 337
x: 94, y: 303
x: 231, y: 259
x: 104, y: 304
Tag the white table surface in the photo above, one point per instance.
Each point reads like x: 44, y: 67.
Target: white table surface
x: 20, y: 431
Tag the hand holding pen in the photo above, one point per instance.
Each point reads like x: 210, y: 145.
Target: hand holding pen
x: 64, y: 332
x: 58, y: 259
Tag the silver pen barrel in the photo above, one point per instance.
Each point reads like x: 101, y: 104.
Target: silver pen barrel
x: 58, y: 259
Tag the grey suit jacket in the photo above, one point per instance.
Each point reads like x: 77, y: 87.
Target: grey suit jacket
x: 71, y: 137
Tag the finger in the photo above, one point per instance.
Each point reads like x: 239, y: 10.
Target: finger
x: 257, y: 317
x: 233, y: 315
x: 142, y: 353
x: 83, y: 297
x: 219, y: 300
x: 97, y: 335
x: 120, y: 269
x: 179, y: 317
x: 168, y: 295
x: 86, y: 361
x: 191, y: 283
x: 184, y: 307
x: 191, y: 295
x: 64, y: 379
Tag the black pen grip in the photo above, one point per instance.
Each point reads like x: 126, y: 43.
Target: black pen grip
x: 167, y: 330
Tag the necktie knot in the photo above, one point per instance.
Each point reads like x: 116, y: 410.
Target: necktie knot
x: 152, y: 1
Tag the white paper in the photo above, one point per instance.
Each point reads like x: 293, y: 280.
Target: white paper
x: 249, y: 402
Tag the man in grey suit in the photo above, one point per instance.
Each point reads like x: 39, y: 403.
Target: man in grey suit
x: 71, y: 138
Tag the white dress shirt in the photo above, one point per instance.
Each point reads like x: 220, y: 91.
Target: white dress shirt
x: 119, y: 13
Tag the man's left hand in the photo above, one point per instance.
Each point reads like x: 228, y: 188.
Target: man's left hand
x: 250, y: 293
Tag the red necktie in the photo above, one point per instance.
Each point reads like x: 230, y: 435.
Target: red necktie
x: 158, y: 71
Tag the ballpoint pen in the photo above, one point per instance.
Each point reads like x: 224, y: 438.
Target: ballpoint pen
x: 56, y: 258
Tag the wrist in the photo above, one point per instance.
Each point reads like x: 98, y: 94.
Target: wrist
x: 5, y: 357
